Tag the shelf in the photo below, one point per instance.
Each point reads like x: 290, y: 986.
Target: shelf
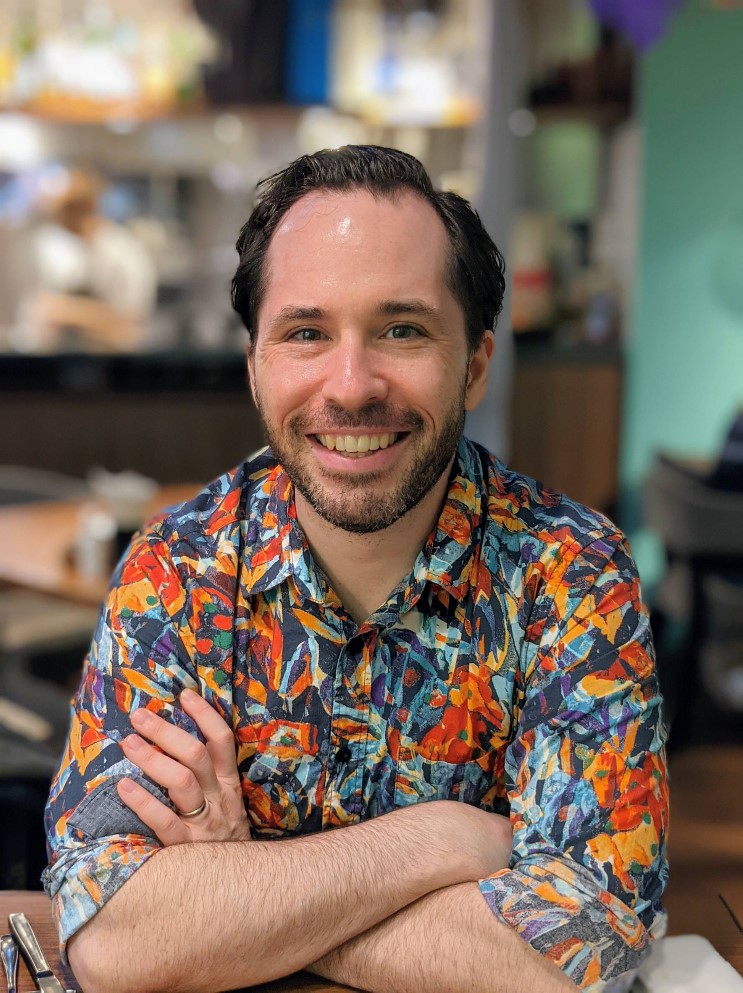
x: 138, y: 115
x: 602, y: 115
x: 541, y: 348
x: 146, y: 372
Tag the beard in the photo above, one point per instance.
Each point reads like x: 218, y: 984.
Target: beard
x: 350, y: 502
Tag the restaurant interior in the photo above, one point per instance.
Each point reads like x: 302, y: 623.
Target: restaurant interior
x: 602, y: 144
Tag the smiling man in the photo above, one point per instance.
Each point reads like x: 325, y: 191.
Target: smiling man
x: 374, y: 626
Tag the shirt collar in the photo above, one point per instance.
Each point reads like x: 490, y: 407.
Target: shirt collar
x: 279, y: 549
x: 449, y: 553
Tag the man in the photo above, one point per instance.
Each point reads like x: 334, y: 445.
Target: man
x: 387, y: 632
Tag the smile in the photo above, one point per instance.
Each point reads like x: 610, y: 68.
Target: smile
x: 356, y: 444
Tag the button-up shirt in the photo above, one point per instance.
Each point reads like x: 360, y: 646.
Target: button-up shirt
x: 511, y: 669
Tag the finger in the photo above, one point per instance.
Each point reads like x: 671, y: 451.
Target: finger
x: 220, y: 739
x: 184, y: 748
x: 184, y: 789
x: 165, y: 823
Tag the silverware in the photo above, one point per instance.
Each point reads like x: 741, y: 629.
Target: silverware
x: 32, y: 953
x: 9, y: 953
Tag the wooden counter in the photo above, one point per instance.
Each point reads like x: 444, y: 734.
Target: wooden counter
x: 36, y: 539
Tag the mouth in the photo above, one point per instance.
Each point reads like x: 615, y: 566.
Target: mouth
x: 359, y: 446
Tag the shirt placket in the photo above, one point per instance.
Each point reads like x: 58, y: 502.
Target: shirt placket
x: 345, y: 794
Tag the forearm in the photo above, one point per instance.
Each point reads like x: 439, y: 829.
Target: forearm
x: 448, y: 940
x: 94, y: 319
x: 215, y: 916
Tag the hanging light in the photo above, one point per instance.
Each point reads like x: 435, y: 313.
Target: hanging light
x: 644, y: 22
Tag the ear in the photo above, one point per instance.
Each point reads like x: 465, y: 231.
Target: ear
x: 250, y: 357
x: 477, y: 372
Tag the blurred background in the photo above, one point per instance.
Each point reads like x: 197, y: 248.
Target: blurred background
x: 602, y: 143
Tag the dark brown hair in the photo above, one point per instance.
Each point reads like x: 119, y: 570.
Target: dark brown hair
x: 475, y: 273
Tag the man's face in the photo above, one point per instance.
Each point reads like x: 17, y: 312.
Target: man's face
x: 360, y: 368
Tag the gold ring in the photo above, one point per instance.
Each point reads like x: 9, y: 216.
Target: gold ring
x: 193, y: 813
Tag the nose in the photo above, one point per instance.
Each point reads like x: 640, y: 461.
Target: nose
x: 354, y: 375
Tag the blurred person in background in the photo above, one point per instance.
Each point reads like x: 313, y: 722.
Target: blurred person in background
x: 95, y: 284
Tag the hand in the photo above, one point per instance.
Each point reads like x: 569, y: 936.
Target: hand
x: 481, y: 841
x: 191, y: 772
x: 490, y: 836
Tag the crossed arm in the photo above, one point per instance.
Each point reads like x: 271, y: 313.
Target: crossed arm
x: 391, y: 904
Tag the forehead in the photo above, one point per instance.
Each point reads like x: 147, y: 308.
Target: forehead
x: 337, y: 241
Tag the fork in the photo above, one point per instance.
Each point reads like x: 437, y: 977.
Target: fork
x: 9, y: 952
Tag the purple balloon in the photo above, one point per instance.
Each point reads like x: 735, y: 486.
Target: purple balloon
x: 643, y: 21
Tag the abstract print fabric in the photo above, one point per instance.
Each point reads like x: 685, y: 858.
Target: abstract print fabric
x: 512, y: 669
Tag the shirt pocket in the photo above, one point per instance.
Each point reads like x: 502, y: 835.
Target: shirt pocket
x: 281, y: 773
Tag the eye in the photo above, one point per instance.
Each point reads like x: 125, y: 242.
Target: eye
x: 306, y: 334
x: 403, y: 332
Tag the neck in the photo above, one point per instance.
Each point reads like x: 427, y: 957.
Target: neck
x: 363, y: 569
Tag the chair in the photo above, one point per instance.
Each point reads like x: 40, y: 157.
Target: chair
x: 702, y: 531
x: 42, y: 644
x: 39, y: 633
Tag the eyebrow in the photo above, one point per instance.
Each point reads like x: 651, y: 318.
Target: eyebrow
x: 293, y: 313
x: 387, y: 308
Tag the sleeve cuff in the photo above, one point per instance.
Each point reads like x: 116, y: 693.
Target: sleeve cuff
x: 83, y: 879
x: 563, y: 912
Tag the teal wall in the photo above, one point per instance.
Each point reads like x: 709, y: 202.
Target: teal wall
x: 685, y: 356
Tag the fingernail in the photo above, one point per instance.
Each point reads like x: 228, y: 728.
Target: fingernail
x: 127, y: 786
x: 188, y: 694
x: 134, y: 743
x: 142, y: 717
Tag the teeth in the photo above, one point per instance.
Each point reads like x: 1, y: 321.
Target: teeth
x: 356, y: 445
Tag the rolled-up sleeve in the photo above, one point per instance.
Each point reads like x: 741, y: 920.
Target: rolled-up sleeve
x: 586, y: 776
x: 137, y: 659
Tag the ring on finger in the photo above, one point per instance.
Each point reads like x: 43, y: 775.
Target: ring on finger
x: 192, y: 813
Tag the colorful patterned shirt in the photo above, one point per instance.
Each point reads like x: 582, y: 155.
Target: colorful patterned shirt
x: 512, y: 669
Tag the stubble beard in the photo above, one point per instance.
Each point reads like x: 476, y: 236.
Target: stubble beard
x: 351, y: 504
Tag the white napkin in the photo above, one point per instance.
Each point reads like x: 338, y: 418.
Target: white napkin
x: 687, y: 964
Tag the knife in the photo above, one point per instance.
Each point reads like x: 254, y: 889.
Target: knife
x: 32, y: 953
x: 9, y: 952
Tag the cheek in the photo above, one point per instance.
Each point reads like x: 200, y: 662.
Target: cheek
x: 436, y: 390
x: 281, y: 387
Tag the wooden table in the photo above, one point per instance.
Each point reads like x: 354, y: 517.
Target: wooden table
x: 731, y: 898
x: 35, y: 542
x: 716, y: 916
x: 37, y: 908
x: 705, y: 891
x: 719, y: 924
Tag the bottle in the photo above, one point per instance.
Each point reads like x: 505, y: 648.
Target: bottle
x: 94, y: 542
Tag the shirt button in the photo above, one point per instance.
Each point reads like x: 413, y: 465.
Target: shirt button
x: 343, y: 754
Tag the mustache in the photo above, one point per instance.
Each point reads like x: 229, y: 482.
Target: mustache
x: 374, y: 416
